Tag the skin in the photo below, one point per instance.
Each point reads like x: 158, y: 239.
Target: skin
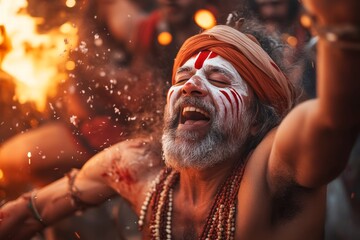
x: 282, y: 193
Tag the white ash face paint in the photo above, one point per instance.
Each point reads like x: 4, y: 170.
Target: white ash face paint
x: 219, y: 78
x: 212, y: 84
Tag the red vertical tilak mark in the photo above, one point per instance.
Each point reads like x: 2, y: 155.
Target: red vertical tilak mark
x: 212, y: 55
x: 201, y: 58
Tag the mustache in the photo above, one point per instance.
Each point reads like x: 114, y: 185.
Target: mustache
x: 173, y: 117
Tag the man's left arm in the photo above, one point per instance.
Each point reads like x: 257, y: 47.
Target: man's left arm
x: 314, y: 141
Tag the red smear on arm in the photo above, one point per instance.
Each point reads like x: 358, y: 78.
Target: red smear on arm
x: 124, y: 175
x: 117, y: 174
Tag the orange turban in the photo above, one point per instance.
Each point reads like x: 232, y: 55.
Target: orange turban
x: 253, y: 64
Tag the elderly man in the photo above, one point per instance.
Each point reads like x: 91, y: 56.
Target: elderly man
x: 230, y: 172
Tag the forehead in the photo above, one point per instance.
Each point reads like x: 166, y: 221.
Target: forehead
x: 203, y: 61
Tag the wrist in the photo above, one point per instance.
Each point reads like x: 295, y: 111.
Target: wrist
x: 344, y: 32
x: 340, y: 35
x: 31, y: 207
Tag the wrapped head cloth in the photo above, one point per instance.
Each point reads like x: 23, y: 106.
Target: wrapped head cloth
x: 254, y: 65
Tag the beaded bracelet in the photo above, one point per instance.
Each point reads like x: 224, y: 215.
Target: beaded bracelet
x: 34, y: 211
x: 75, y: 193
x: 346, y: 36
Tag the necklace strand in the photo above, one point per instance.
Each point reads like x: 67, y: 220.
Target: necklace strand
x: 220, y: 223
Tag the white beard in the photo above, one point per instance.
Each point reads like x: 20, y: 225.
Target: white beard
x: 189, y: 150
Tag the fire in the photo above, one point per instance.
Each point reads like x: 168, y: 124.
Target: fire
x: 37, y: 61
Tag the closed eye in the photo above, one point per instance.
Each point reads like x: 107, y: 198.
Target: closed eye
x: 183, y: 74
x: 181, y: 81
x: 218, y: 76
x: 218, y: 83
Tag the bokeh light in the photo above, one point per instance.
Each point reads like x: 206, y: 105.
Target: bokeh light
x: 205, y: 19
x: 70, y: 65
x: 305, y: 20
x: 164, y: 38
x: 70, y: 3
x: 292, y: 41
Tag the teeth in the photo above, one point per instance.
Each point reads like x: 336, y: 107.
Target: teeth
x: 194, y: 109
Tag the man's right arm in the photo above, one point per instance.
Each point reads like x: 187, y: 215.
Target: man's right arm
x: 127, y: 168
x: 30, y: 213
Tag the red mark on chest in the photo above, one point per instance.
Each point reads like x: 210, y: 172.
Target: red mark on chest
x: 201, y: 58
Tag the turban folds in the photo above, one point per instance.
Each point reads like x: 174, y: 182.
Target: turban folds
x: 254, y: 65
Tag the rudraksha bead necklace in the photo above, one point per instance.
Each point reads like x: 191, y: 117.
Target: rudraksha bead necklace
x: 220, y: 223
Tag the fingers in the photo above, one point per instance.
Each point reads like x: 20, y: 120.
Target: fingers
x: 333, y: 12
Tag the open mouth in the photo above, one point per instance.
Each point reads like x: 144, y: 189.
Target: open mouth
x: 191, y: 115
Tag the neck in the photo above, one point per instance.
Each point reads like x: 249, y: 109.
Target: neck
x: 200, y: 186
x: 216, y: 187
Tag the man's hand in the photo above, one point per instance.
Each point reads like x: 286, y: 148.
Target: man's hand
x: 16, y: 221
x: 330, y: 12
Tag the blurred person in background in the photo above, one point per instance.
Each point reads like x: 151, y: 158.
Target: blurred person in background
x: 283, y: 17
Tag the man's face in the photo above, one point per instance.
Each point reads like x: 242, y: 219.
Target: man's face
x: 205, y: 120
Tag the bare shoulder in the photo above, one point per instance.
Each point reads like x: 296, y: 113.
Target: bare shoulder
x: 270, y: 199
x: 127, y: 167
x: 275, y: 181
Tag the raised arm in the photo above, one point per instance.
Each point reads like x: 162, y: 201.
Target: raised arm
x: 126, y: 168
x: 314, y: 141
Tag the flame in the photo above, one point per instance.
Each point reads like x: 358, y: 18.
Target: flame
x: 37, y: 61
